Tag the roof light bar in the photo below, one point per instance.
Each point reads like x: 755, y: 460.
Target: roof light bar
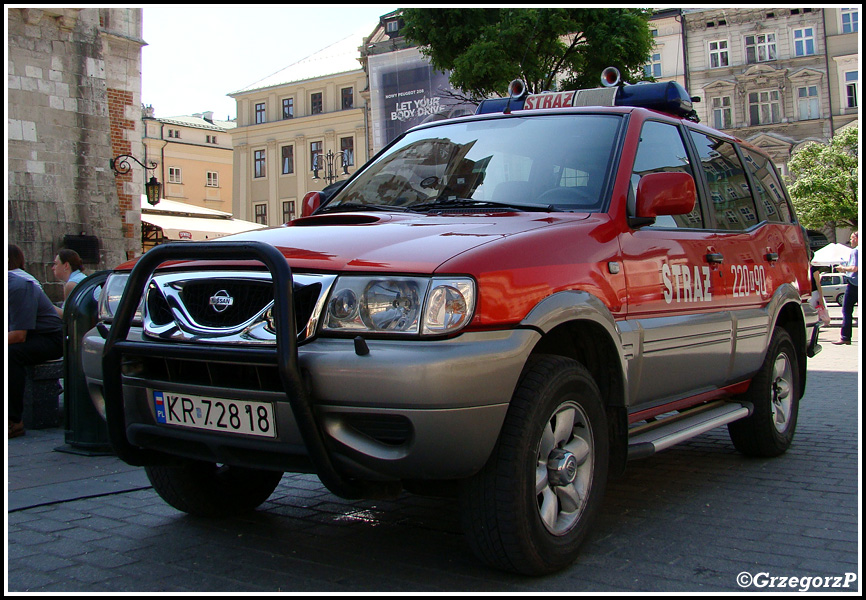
x: 667, y: 97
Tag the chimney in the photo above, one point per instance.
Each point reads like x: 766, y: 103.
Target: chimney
x: 208, y: 116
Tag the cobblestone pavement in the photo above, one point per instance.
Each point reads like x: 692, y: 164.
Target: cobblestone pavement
x: 699, y: 517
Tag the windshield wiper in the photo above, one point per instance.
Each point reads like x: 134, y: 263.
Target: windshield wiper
x: 456, y: 202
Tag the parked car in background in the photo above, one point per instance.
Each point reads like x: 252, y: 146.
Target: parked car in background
x: 833, y: 287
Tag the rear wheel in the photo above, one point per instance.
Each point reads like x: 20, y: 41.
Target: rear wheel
x: 532, y: 505
x: 840, y: 299
x: 774, y: 394
x: 210, y: 490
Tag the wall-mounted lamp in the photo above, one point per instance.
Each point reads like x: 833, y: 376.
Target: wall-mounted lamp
x: 326, y: 163
x: 153, y: 188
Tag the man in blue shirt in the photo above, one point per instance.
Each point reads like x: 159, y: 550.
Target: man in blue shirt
x: 35, y: 335
x: 67, y: 268
x: 850, y: 293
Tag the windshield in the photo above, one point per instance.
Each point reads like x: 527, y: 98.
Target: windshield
x: 557, y: 162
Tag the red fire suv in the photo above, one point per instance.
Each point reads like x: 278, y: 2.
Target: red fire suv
x: 509, y: 304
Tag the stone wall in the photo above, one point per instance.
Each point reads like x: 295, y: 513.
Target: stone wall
x: 74, y: 96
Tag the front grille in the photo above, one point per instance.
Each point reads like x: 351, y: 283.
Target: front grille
x: 257, y: 377
x: 248, y: 299
x: 228, y: 307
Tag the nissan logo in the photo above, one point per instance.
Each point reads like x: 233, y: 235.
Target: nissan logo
x: 221, y: 301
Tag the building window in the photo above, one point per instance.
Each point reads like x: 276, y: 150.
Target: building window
x: 851, y: 81
x: 288, y: 108
x: 719, y: 54
x: 764, y: 108
x: 850, y: 20
x: 174, y: 175
x: 259, y: 161
x: 654, y: 67
x: 315, y: 152
x: 347, y: 148
x: 260, y: 112
x: 213, y: 179
x: 392, y: 27
x: 723, y: 114
x: 288, y: 210
x: 807, y: 102
x: 347, y: 98
x: 174, y: 133
x: 211, y: 139
x: 760, y: 48
x: 316, y: 103
x: 804, y: 42
x: 261, y: 214
x: 287, y: 155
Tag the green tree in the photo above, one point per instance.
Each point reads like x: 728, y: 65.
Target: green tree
x: 823, y: 181
x: 486, y: 48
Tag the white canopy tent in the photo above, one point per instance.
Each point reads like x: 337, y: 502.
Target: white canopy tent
x: 179, y: 221
x: 831, y: 255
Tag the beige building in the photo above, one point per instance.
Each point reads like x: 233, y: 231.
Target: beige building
x: 193, y: 155
x: 761, y: 74
x: 293, y: 121
x: 667, y: 61
x: 843, y: 52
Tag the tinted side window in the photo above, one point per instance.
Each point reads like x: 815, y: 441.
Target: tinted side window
x: 730, y: 196
x: 661, y: 150
x: 768, y: 188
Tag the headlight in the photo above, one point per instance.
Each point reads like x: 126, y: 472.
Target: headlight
x: 110, y: 297
x: 409, y: 305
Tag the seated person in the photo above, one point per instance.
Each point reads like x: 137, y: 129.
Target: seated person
x: 35, y: 335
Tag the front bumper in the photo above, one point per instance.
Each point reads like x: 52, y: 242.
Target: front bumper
x: 410, y: 409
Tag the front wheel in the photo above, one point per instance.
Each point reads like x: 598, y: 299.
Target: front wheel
x: 531, y: 506
x: 210, y: 490
x: 774, y: 394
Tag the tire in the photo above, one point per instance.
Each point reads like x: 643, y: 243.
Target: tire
x: 840, y: 299
x: 209, y: 490
x: 774, y: 394
x: 531, y: 506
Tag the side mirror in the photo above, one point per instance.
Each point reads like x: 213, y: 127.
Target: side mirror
x: 312, y: 201
x: 664, y: 194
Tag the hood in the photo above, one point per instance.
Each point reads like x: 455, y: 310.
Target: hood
x: 403, y: 243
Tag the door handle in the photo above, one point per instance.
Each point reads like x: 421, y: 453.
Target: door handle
x: 715, y: 257
x: 772, y: 256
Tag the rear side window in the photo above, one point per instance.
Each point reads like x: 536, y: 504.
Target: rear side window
x: 730, y: 196
x: 768, y: 187
x: 661, y: 150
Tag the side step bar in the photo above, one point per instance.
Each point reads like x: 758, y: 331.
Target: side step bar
x: 649, y: 438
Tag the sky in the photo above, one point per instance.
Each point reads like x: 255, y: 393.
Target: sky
x: 196, y: 54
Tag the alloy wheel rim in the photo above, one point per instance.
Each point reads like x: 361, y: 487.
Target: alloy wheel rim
x: 563, y: 473
x: 782, y: 393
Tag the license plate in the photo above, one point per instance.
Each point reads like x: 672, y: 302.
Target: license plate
x: 215, y: 414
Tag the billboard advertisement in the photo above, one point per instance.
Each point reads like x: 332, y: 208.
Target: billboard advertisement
x: 405, y: 90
